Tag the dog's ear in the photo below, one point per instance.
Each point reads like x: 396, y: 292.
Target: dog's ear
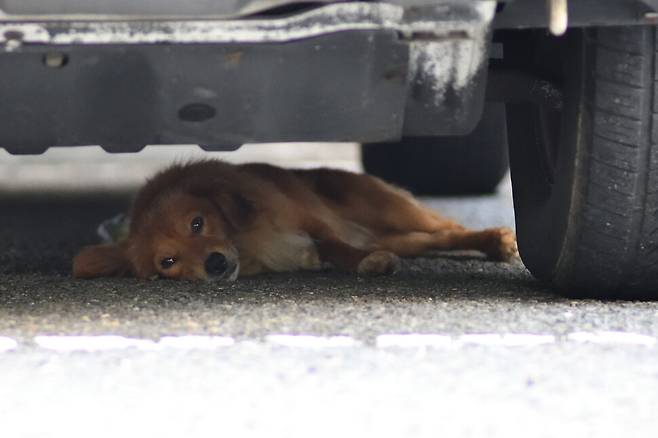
x: 236, y: 209
x: 108, y: 260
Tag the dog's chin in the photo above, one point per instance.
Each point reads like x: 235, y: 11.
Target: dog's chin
x: 229, y: 276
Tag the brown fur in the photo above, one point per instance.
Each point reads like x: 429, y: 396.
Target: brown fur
x: 263, y: 218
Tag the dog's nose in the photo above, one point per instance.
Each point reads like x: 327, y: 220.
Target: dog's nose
x: 216, y: 263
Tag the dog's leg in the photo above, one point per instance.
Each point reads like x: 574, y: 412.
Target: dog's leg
x: 406, y: 227
x: 353, y: 259
x: 331, y: 248
x: 497, y: 243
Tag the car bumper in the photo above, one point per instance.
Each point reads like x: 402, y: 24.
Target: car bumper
x: 339, y: 72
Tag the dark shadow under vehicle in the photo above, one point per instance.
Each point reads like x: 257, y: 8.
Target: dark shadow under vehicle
x: 437, y: 91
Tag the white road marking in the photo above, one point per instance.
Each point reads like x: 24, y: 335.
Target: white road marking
x: 92, y: 343
x: 420, y: 340
x: 111, y: 342
x: 306, y: 341
x: 196, y: 342
x: 414, y: 341
x: 612, y: 338
x: 409, y: 340
x: 7, y: 344
x: 507, y: 340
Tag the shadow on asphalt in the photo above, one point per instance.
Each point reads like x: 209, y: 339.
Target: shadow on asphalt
x: 40, y: 233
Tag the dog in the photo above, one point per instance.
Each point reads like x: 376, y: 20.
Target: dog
x: 211, y: 220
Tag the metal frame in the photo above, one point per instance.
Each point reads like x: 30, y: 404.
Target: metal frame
x: 323, y: 71
x: 342, y: 72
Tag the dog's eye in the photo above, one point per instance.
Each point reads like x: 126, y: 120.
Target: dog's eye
x: 167, y: 262
x: 197, y: 224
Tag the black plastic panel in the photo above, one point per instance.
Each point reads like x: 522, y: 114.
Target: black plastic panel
x: 340, y: 87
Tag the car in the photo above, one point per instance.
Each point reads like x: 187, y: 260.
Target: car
x: 437, y: 92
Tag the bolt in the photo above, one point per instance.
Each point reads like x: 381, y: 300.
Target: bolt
x: 55, y: 59
x: 13, y: 40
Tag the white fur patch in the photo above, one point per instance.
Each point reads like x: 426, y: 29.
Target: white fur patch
x: 289, y: 252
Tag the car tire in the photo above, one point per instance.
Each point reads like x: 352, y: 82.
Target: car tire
x: 585, y: 180
x: 473, y: 164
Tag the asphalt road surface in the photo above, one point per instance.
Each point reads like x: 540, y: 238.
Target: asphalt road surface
x: 451, y: 346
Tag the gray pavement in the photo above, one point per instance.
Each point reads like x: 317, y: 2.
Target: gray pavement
x: 451, y: 345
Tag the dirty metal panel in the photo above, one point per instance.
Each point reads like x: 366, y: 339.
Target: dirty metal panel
x: 448, y: 70
x: 437, y: 22
x: 143, y: 8
x: 339, y: 87
x: 342, y: 72
x: 321, y: 21
x: 106, y: 9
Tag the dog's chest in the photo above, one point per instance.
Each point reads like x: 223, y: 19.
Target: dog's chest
x: 285, y: 251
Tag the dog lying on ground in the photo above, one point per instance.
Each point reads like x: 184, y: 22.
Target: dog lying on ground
x: 214, y: 220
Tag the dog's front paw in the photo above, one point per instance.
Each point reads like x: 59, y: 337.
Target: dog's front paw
x: 379, y: 263
x: 503, y: 245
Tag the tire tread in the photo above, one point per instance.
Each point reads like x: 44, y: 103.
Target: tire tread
x: 619, y: 218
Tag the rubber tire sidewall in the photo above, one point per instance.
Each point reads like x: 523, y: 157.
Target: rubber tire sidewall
x: 472, y: 164
x: 566, y: 230
x: 543, y: 208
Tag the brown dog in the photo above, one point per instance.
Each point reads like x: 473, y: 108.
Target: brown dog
x: 213, y: 220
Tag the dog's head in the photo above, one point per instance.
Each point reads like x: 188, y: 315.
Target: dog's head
x: 182, y: 231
